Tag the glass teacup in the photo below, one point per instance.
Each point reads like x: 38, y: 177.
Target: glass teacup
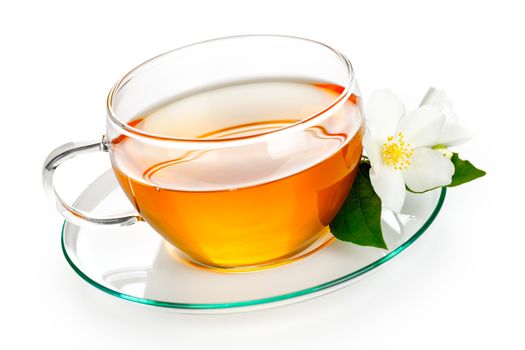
x: 239, y: 151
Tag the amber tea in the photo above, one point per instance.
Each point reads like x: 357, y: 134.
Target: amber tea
x: 231, y: 207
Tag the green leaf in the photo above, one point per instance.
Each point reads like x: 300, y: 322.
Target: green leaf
x: 464, y: 171
x: 359, y: 220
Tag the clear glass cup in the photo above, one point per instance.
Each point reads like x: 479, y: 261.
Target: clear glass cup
x: 232, y: 200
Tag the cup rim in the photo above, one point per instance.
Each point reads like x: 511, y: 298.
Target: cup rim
x: 349, y: 88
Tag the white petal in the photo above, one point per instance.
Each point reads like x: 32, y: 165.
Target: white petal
x: 434, y: 97
x: 389, y: 186
x: 373, y: 150
x: 384, y: 110
x: 453, y: 135
x: 438, y: 98
x: 428, y: 169
x: 449, y: 114
x: 422, y: 127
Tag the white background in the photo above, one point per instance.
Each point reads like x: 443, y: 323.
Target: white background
x: 460, y: 286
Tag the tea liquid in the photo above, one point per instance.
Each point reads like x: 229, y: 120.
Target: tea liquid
x: 246, y: 205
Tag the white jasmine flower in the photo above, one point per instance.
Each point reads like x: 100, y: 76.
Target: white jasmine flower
x: 399, y: 145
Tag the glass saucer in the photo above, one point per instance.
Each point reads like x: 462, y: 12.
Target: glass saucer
x: 135, y: 264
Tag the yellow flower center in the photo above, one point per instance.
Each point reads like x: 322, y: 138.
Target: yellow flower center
x: 396, y: 152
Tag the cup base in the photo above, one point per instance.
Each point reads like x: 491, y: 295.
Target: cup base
x: 324, y: 240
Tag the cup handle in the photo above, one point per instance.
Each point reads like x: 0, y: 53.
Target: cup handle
x: 74, y: 215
